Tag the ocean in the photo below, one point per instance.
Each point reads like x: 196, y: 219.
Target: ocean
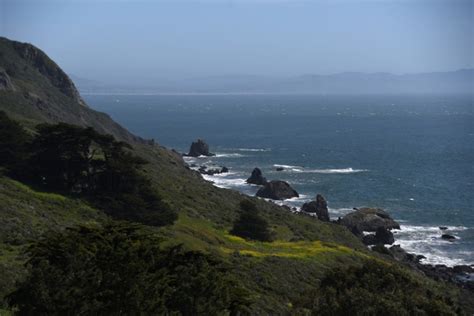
x: 411, y: 155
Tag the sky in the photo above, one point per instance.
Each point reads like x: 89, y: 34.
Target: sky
x: 116, y: 41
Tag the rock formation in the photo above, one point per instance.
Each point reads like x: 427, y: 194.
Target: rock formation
x: 277, y: 190
x: 199, y: 148
x: 212, y: 171
x: 382, y: 236
x: 257, y: 177
x: 448, y: 237
x: 318, y: 207
x: 5, y: 81
x: 369, y: 220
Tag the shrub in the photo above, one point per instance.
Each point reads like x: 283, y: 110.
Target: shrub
x: 250, y: 224
x: 376, y: 289
x: 120, y: 270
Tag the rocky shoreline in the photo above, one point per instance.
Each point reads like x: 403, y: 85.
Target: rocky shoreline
x: 373, y: 226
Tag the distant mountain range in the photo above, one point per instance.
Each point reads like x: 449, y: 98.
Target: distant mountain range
x: 459, y: 81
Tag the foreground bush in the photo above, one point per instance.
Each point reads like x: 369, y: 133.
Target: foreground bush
x: 376, y: 289
x: 120, y: 270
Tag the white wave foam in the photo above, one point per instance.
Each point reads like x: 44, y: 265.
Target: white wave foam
x: 322, y: 171
x: 221, y: 180
x: 289, y: 168
x: 427, y: 241
x: 301, y: 198
x: 286, y: 166
x: 229, y: 155
x: 334, y: 213
x: 430, y: 229
x: 254, y: 149
x: 342, y: 171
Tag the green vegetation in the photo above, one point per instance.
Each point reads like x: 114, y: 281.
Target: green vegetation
x: 13, y: 140
x: 26, y: 215
x: 250, y: 224
x: 119, y: 269
x: 376, y: 289
x: 74, y: 160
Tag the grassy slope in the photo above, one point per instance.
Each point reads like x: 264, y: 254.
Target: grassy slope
x: 269, y: 269
x: 278, y: 272
x: 25, y: 215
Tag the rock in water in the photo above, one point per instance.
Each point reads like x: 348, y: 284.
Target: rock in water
x: 382, y: 237
x: 199, y: 148
x: 257, y: 177
x: 369, y: 220
x: 277, y: 190
x: 319, y: 206
x: 448, y: 237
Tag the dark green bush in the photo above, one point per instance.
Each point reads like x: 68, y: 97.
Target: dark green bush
x: 13, y: 145
x: 120, y: 270
x: 250, y: 224
x: 376, y: 289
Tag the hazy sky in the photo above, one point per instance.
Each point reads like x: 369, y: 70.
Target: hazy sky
x: 112, y: 40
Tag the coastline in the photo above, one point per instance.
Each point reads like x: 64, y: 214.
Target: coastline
x: 420, y: 240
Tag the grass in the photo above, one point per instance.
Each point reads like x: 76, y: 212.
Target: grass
x: 25, y: 215
x: 202, y: 235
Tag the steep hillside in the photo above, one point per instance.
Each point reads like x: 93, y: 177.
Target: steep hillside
x: 39, y: 91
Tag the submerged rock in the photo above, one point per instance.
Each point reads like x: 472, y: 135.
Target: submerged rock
x: 369, y: 219
x: 212, y: 171
x: 448, y: 237
x: 318, y: 207
x: 257, y: 177
x: 199, y: 148
x: 277, y: 190
x: 280, y: 169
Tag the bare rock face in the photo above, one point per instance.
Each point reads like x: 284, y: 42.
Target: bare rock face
x: 199, y: 148
x: 369, y: 220
x: 257, y: 177
x: 5, y: 81
x: 318, y: 207
x: 58, y: 78
x: 277, y: 190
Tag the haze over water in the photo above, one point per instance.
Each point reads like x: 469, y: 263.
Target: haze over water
x: 411, y: 155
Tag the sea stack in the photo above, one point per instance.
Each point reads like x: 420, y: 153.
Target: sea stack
x: 369, y: 220
x: 277, y: 190
x: 199, y: 148
x: 318, y: 207
x: 257, y: 177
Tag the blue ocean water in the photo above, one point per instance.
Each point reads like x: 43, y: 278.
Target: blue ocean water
x: 412, y: 155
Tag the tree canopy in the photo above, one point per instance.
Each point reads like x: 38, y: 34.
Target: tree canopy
x: 13, y: 144
x: 75, y: 160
